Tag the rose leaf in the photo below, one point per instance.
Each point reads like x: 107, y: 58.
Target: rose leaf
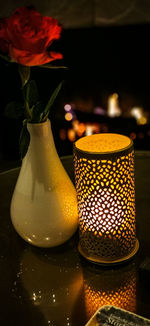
x: 24, y: 72
x: 37, y: 110
x: 46, y: 112
x: 24, y: 141
x: 31, y: 93
x: 53, y: 67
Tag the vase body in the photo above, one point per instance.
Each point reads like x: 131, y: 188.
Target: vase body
x: 44, y: 205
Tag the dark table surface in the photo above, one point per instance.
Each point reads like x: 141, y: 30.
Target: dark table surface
x: 57, y: 287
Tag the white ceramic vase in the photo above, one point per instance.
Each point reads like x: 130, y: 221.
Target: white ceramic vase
x: 44, y: 205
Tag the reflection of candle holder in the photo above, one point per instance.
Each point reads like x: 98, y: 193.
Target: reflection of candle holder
x: 109, y: 287
x: 104, y: 173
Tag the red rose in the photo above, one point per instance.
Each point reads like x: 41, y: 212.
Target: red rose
x: 4, y: 44
x: 26, y: 37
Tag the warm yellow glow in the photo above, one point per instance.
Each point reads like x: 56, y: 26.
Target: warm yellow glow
x: 68, y: 116
x: 106, y: 197
x: 142, y: 121
x: 113, y: 106
x: 137, y: 112
x: 139, y: 115
x: 106, y: 142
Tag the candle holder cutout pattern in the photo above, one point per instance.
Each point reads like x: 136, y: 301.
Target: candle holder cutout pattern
x: 104, y: 176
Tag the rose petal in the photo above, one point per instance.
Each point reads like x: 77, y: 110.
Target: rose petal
x: 28, y: 59
x: 29, y: 31
x: 4, y: 40
x: 55, y: 55
x: 23, y: 27
x: 53, y: 29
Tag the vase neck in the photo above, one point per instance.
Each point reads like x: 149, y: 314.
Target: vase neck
x: 41, y: 139
x: 42, y: 129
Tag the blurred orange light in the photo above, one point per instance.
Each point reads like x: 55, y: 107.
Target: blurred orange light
x: 96, y: 128
x: 75, y: 125
x: 71, y: 135
x: 68, y: 116
x: 81, y: 129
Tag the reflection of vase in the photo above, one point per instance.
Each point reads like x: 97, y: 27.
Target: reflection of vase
x: 43, y: 207
x: 54, y: 285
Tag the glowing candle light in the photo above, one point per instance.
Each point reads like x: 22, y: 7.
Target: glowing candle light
x: 104, y: 173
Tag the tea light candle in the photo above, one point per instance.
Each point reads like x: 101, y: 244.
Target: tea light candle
x: 104, y: 175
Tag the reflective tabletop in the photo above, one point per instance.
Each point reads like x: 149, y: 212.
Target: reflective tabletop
x: 57, y: 287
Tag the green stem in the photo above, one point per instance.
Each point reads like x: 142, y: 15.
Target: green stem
x: 24, y: 72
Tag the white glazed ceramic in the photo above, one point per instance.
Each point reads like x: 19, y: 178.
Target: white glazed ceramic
x: 44, y: 205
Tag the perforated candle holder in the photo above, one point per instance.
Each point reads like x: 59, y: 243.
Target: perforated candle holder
x: 104, y: 177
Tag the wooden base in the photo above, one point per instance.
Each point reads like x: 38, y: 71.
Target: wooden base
x: 102, y: 261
